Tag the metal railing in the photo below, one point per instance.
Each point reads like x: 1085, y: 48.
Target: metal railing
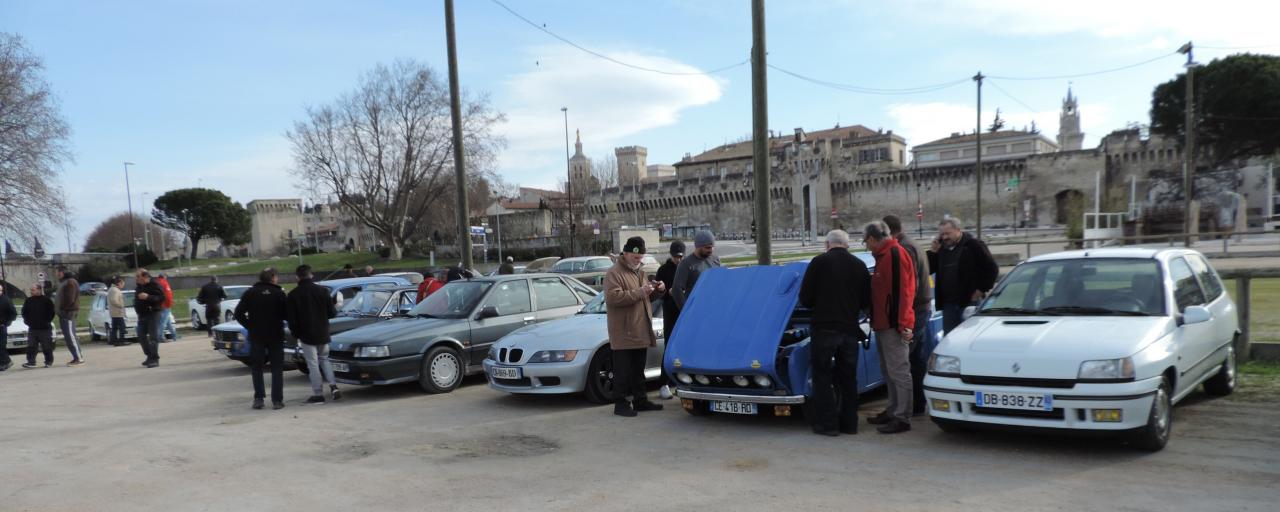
x: 1172, y: 240
x: 1243, y: 277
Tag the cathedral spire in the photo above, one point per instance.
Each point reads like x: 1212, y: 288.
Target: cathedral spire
x: 577, y: 145
x: 1070, y: 137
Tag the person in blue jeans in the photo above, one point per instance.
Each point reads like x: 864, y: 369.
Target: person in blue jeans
x: 923, y: 306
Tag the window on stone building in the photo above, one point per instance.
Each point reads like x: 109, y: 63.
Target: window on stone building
x: 1021, y: 146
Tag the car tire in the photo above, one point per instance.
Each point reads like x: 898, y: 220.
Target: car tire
x: 949, y: 426
x: 195, y: 321
x: 441, y: 370
x: 599, y: 386
x: 93, y: 334
x: 1224, y: 382
x: 1155, y: 434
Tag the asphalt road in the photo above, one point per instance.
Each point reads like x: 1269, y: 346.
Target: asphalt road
x: 115, y: 436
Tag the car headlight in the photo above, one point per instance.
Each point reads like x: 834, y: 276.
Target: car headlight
x: 1107, y: 369
x: 702, y: 379
x: 944, y: 365
x: 741, y: 381
x: 684, y: 378
x: 378, y: 351
x: 553, y: 356
x: 493, y: 353
x: 762, y: 381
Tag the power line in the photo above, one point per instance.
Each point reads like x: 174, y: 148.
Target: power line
x: 1010, y: 96
x: 872, y: 90
x: 594, y: 53
x: 1090, y: 73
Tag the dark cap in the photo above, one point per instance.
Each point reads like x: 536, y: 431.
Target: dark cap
x: 635, y: 245
x: 677, y: 249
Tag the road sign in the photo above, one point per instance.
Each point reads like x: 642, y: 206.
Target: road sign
x: 477, y: 230
x: 920, y: 211
x: 40, y: 277
x: 1013, y: 182
x: 834, y: 214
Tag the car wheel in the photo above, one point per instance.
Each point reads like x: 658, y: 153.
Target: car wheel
x: 441, y: 370
x: 599, y: 386
x: 1155, y: 434
x: 1224, y: 382
x: 949, y: 426
x: 93, y: 334
x: 195, y: 321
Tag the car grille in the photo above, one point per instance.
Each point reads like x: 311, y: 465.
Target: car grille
x: 510, y: 356
x: 226, y: 336
x: 1018, y: 382
x: 342, y: 354
x: 1056, y: 414
x: 521, y: 382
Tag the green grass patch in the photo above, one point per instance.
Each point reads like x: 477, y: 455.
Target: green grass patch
x: 1264, y: 324
x: 1258, y: 381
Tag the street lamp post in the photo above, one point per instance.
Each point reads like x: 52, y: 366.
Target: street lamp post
x: 129, y: 195
x: 568, y: 184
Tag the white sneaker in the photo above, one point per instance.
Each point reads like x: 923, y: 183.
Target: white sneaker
x: 665, y: 392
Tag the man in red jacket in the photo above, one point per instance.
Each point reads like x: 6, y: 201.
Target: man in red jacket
x: 429, y: 284
x: 893, y: 291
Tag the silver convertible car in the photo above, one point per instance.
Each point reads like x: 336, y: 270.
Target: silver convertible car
x: 569, y: 355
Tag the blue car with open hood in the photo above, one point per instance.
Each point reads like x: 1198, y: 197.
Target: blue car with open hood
x: 741, y: 345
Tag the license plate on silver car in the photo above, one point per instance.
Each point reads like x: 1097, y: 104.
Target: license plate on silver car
x: 1023, y: 401
x: 503, y: 372
x: 733, y: 407
x: 340, y: 367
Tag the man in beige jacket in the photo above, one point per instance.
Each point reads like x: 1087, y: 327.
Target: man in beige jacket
x: 627, y: 296
x: 115, y: 307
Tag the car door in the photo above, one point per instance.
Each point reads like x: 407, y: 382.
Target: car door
x: 515, y: 310
x: 553, y: 298
x: 98, y: 316
x: 869, y: 361
x: 1223, y: 327
x: 1191, y: 340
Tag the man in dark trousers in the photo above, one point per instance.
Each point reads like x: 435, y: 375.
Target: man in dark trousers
x: 212, y: 295
x: 667, y: 274
x: 837, y: 288
x: 964, y: 268
x: 262, y: 311
x: 629, y: 312
x: 38, y: 312
x: 7, y: 315
x: 309, y: 308
x: 148, y: 303
x: 923, y: 308
x: 893, y: 293
x: 68, y: 301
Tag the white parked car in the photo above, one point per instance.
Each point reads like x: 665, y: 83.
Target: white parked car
x: 227, y: 307
x: 100, y: 317
x: 17, y: 333
x: 1096, y: 340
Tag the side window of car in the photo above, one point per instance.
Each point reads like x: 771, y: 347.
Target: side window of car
x: 100, y: 302
x: 582, y: 290
x: 552, y: 293
x: 1208, y: 278
x: 510, y: 298
x: 1186, y: 291
x: 600, y: 264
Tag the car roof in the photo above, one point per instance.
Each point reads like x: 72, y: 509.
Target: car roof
x: 583, y: 258
x: 353, y: 281
x: 1114, y: 252
x: 511, y: 277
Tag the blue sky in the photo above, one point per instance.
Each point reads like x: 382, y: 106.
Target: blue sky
x: 201, y: 92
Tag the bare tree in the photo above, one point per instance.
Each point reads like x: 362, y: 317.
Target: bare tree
x: 385, y: 149
x: 113, y: 234
x: 33, y: 143
x: 605, y: 170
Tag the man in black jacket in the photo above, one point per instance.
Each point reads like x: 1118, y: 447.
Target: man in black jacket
x: 38, y: 313
x: 149, y: 304
x: 262, y: 312
x: 964, y: 268
x: 310, y: 306
x: 7, y: 315
x: 212, y: 295
x: 837, y: 288
x: 670, y: 311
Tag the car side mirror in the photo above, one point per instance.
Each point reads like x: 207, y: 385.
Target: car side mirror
x: 1196, y: 315
x: 406, y: 308
x: 969, y: 311
x: 487, y: 312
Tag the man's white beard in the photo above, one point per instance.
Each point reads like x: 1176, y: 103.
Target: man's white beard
x: 636, y: 266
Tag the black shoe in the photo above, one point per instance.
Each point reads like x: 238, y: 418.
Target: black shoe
x: 624, y: 409
x: 257, y: 403
x: 647, y: 406
x: 337, y: 395
x: 49, y: 364
x: 880, y: 419
x: 894, y: 427
x: 28, y: 365
x: 6, y: 367
x: 152, y: 364
x: 275, y: 406
x: 826, y: 432
x: 315, y: 399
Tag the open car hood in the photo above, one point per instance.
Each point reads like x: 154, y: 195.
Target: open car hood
x: 734, y: 320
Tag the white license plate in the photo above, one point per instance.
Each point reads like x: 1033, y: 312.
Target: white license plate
x: 733, y: 407
x: 502, y: 372
x: 340, y: 367
x: 1023, y: 401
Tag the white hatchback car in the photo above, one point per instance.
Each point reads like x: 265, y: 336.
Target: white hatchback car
x: 100, y: 317
x: 227, y: 308
x: 1096, y: 340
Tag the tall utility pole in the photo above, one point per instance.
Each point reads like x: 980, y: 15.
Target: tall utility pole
x: 977, y: 166
x: 1189, y: 152
x: 568, y: 184
x: 133, y: 238
x: 459, y: 165
x: 760, y: 135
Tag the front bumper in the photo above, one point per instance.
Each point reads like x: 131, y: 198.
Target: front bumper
x: 1073, y: 409
x: 730, y: 397
x: 542, y: 378
x: 378, y: 372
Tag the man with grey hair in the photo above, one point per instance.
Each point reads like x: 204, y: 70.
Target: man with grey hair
x: 893, y: 290
x: 965, y: 271
x: 702, y: 259
x: 837, y: 288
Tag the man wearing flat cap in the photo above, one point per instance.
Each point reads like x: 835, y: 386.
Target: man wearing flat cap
x: 701, y: 260
x: 627, y: 298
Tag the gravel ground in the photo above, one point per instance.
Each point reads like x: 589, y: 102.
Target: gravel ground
x: 115, y: 436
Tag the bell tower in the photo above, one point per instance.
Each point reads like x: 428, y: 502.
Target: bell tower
x: 1070, y: 138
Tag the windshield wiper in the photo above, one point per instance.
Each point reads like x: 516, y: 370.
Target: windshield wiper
x: 1013, y: 311
x: 1093, y: 310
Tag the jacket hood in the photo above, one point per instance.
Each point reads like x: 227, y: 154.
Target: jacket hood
x: 1047, y: 347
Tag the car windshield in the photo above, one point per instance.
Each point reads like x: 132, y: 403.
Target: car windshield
x: 454, y: 300
x: 236, y: 292
x: 1080, y: 287
x: 594, y: 307
x: 366, y: 303
x: 128, y: 299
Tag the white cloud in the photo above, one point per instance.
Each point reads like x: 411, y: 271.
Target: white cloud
x: 925, y: 122
x: 609, y: 103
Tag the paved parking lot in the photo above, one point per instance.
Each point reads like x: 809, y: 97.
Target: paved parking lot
x: 115, y: 436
